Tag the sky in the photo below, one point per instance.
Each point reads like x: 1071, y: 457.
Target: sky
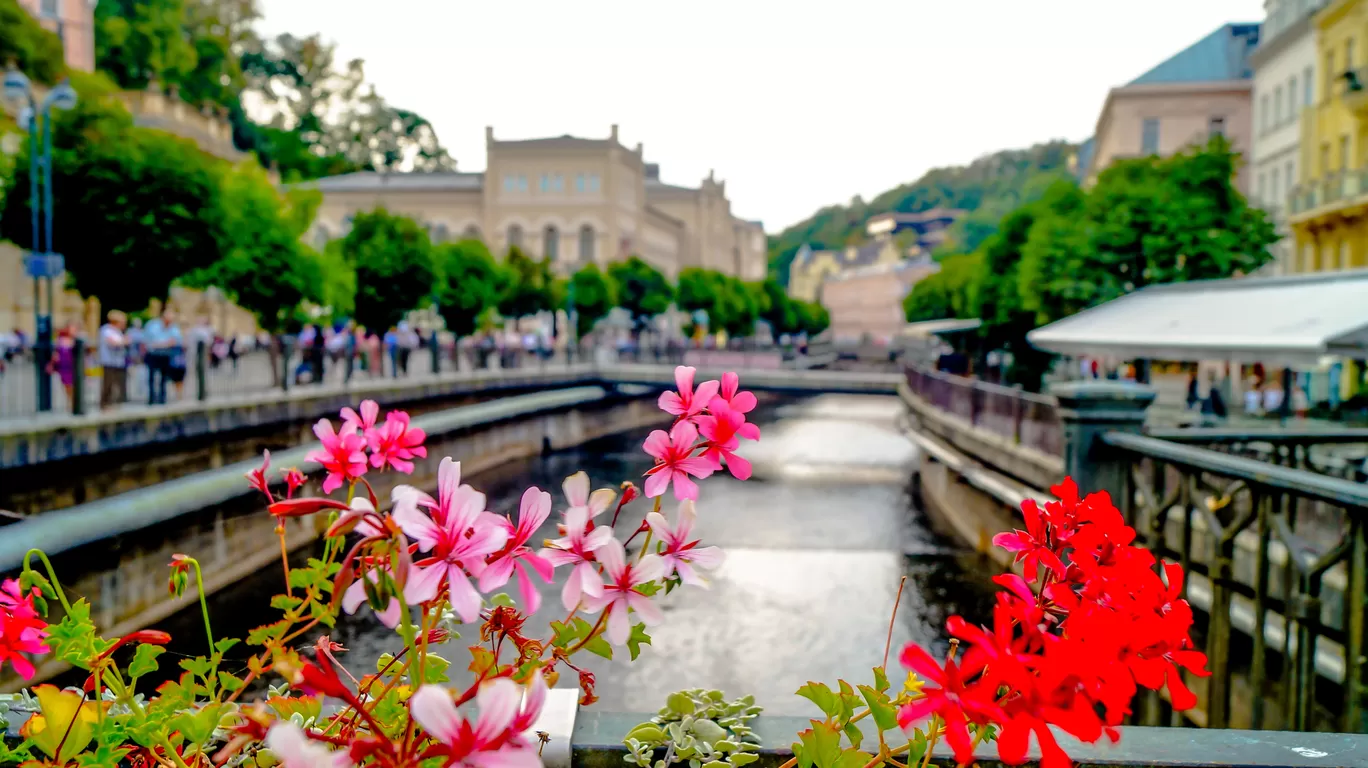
x: 796, y: 104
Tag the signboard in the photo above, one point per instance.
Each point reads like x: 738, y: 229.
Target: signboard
x: 44, y: 264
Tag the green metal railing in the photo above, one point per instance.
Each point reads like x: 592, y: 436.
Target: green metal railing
x: 1333, y: 452
x: 1277, y: 549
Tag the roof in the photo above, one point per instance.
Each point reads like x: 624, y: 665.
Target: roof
x: 937, y: 327
x: 1221, y: 55
x: 1086, y: 150
x: 367, y: 181
x: 1282, y: 320
x: 656, y: 185
x: 564, y: 141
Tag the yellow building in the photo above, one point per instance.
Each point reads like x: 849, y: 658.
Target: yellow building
x: 1329, y: 208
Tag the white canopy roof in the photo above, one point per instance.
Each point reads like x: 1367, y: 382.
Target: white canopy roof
x: 937, y: 327
x: 1284, y: 320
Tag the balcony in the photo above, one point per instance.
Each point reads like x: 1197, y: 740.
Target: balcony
x: 1328, y: 194
x: 1356, y: 90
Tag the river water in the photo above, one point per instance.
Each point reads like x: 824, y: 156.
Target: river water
x: 816, y: 543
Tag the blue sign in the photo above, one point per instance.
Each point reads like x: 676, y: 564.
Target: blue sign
x: 44, y: 264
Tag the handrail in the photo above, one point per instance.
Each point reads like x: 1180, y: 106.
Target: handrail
x: 1258, y: 434
x: 1309, y: 484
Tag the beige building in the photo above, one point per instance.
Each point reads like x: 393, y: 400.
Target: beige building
x: 74, y: 23
x: 572, y: 200
x: 866, y: 303
x: 1202, y: 91
x: 811, y: 270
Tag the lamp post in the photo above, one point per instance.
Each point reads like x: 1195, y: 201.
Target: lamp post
x: 42, y: 261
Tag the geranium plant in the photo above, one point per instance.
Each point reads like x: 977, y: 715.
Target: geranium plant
x: 424, y: 565
x: 1093, y: 618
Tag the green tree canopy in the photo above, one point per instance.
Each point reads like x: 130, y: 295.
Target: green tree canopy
x: 951, y: 293
x: 814, y: 317
x: 394, y: 267
x: 594, y: 297
x: 730, y: 304
x: 640, y: 289
x: 140, y: 41
x: 471, y: 283
x: 529, y: 287
x: 134, y: 208
x: 265, y: 269
x: 34, y: 50
x: 781, y: 312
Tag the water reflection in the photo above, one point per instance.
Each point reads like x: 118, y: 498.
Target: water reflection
x: 816, y: 544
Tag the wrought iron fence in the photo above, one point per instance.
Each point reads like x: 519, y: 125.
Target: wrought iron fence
x: 1276, y: 551
x: 1334, y: 452
x: 1023, y: 417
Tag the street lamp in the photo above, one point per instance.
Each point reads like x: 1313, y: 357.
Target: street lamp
x: 42, y: 261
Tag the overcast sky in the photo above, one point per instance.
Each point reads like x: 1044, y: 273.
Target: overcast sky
x: 796, y: 104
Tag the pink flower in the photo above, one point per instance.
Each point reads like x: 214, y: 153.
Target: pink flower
x: 341, y: 455
x: 257, y: 477
x: 681, y: 554
x: 574, y: 549
x: 21, y: 630
x: 535, y: 508
x: 294, y: 479
x: 576, y: 488
x: 459, y: 533
x: 494, y: 740
x: 687, y: 402
x: 620, y: 594
x: 295, y: 749
x: 370, y: 411
x: 675, y: 462
x: 396, y: 442
x: 731, y: 394
x: 722, y: 428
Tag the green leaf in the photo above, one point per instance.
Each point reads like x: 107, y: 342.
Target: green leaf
x: 821, y: 695
x: 880, y: 680
x: 853, y: 733
x: 649, y: 589
x: 144, y: 660
x: 853, y: 758
x: 566, y: 635
x: 599, y: 646
x: 199, y: 726
x: 821, y: 744
x: 743, y: 758
x: 226, y: 644
x: 434, y: 669
x: 481, y: 660
x: 73, y: 639
x: 228, y: 682
x: 198, y: 665
x: 880, y: 708
x: 267, y: 632
x: 637, y: 639
x: 104, y: 756
x: 502, y: 600
x: 286, y: 602
x: 680, y: 703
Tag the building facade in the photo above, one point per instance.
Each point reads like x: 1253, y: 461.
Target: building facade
x: 1284, y: 85
x: 74, y: 23
x: 1329, y: 206
x: 573, y: 200
x: 811, y: 270
x: 1201, y: 91
x: 866, y: 303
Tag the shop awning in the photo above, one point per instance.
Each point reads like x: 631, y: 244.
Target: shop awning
x: 1280, y: 320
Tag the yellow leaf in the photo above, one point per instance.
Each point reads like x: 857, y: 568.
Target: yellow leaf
x: 66, y: 720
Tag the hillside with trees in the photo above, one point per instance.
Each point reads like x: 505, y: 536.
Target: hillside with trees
x: 988, y: 188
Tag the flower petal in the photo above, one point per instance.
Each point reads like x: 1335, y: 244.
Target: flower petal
x: 432, y: 707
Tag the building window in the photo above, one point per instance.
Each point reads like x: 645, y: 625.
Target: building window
x: 1263, y: 114
x: 1277, y: 107
x: 593, y: 182
x: 552, y: 183
x: 1344, y: 153
x: 1273, y: 190
x: 515, y: 182
x: 1325, y: 158
x: 1149, y: 136
x: 1216, y: 126
x: 587, y: 239
x: 1259, y: 188
x: 515, y: 236
x: 472, y: 232
x: 1349, y: 54
x: 439, y: 233
x: 49, y: 9
x: 579, y: 183
x: 1308, y: 82
x: 1292, y: 98
x: 1290, y: 174
x: 1329, y: 75
x: 551, y: 242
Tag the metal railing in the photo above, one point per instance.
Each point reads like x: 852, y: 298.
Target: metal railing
x: 1333, y: 452
x: 1023, y: 417
x: 1275, y: 551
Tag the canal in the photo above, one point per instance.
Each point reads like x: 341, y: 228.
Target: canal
x: 816, y: 544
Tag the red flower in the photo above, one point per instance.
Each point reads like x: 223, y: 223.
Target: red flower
x: 304, y: 506
x: 257, y: 477
x: 721, y: 427
x: 395, y: 443
x: 294, y: 479
x: 21, y: 630
x: 1032, y: 546
x: 950, y: 697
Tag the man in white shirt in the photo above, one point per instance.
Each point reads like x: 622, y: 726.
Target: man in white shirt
x: 113, y: 348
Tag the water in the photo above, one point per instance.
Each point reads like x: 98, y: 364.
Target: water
x: 816, y: 544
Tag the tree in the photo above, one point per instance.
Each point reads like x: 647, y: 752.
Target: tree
x: 471, y: 283
x: 139, y: 41
x: 814, y: 317
x: 950, y: 294
x: 265, y: 269
x: 640, y: 289
x: 529, y: 287
x: 594, y: 297
x: 394, y: 267
x: 134, y: 208
x: 34, y: 50
x: 780, y: 311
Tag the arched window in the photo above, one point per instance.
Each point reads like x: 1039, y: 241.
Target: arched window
x: 551, y: 242
x: 472, y: 232
x: 439, y: 233
x: 586, y: 243
x: 515, y: 236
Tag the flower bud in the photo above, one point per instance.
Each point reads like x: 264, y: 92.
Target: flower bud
x: 304, y: 506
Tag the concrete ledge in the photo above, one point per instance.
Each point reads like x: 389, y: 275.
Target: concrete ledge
x: 1031, y: 467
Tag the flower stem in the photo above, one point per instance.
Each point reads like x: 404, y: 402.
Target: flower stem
x: 598, y: 625
x: 284, y: 556
x: 52, y: 576
x: 204, y: 604
x: 889, y: 642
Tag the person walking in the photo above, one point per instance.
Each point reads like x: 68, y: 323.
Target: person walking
x: 114, y: 355
x: 154, y: 343
x: 176, y: 361
x: 64, y: 362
